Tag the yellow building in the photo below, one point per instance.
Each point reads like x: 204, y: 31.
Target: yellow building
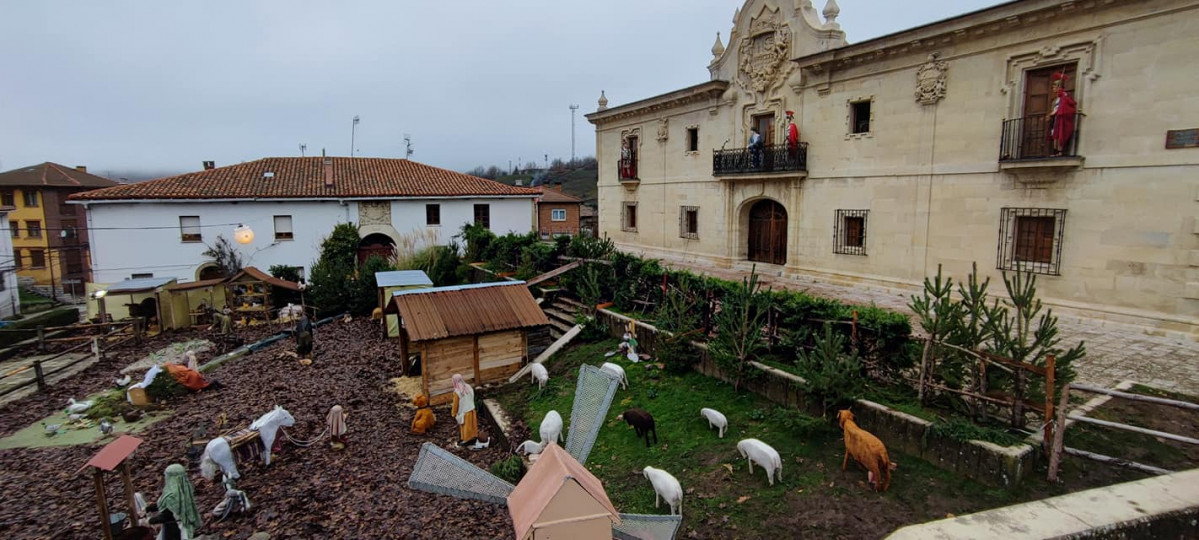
x: 49, y: 237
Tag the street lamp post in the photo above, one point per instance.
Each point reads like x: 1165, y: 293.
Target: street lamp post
x: 573, y: 108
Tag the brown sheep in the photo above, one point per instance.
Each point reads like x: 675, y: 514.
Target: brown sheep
x: 867, y: 450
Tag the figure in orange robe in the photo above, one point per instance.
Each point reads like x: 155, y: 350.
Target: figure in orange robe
x: 188, y: 378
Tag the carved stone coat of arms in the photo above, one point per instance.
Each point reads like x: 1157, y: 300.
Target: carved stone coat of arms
x: 763, y: 53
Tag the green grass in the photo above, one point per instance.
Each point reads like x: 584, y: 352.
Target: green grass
x: 713, y: 476
x: 29, y: 298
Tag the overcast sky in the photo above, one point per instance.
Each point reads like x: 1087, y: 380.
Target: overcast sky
x: 161, y: 86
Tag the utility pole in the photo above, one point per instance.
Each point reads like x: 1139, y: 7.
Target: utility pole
x: 573, y: 108
x: 353, y: 128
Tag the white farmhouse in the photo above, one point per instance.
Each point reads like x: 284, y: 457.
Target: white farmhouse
x: 161, y: 228
x: 10, y: 300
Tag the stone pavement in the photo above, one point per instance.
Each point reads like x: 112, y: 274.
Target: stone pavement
x: 1116, y: 351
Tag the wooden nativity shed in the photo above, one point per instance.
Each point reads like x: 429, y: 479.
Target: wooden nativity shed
x: 478, y: 331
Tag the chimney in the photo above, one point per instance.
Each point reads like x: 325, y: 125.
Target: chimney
x: 81, y: 168
x: 558, y: 187
x: 209, y: 165
x: 328, y: 165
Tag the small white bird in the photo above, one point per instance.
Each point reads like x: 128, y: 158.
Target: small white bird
x: 123, y: 381
x: 52, y: 429
x: 78, y: 406
x: 105, y: 426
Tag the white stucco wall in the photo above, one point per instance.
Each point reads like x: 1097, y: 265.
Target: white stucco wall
x: 10, y: 299
x: 144, y: 237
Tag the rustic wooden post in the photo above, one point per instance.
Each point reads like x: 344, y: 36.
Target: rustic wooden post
x: 1059, y: 435
x: 853, y: 332
x: 137, y: 330
x: 102, y: 503
x: 1049, y: 376
x: 928, y: 343
x: 41, y: 338
x: 39, y: 376
x: 128, y: 481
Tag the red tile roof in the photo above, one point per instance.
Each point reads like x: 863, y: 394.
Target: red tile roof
x: 258, y: 275
x: 554, y: 196
x: 303, y: 177
x: 53, y: 175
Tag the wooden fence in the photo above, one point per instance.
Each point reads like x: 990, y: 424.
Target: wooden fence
x: 118, y: 334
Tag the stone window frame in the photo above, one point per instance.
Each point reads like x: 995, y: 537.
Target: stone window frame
x: 1087, y: 54
x: 849, y: 103
x: 624, y: 216
x: 683, y: 232
x: 1008, y: 243
x: 840, y: 244
x: 687, y: 140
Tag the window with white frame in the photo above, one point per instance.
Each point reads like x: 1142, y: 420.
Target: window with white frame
x: 283, y: 230
x: 558, y: 214
x: 189, y: 229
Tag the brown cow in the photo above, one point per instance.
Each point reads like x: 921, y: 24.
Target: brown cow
x: 867, y: 450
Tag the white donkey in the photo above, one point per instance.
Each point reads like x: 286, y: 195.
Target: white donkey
x: 219, y: 454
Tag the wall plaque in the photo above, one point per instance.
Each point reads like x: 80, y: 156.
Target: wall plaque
x: 1182, y: 138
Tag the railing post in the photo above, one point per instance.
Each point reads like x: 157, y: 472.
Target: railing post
x: 39, y: 376
x: 41, y: 338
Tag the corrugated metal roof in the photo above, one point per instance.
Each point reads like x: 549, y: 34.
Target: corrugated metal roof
x: 139, y: 285
x: 195, y: 284
x: 258, y: 275
x: 403, y: 278
x: 464, y: 310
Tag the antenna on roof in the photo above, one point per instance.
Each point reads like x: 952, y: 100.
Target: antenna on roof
x: 303, y: 147
x: 408, y: 146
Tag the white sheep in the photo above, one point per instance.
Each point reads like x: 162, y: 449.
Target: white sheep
x: 540, y: 375
x: 530, y: 447
x: 754, y: 450
x: 666, y: 487
x: 715, y: 419
x: 551, y: 427
x: 615, y: 371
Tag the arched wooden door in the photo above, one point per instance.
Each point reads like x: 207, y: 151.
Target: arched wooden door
x: 768, y: 232
x: 375, y: 244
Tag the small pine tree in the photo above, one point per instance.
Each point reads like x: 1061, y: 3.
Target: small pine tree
x: 739, y: 327
x: 829, y: 374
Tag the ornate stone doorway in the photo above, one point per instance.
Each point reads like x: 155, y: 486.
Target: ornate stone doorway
x: 375, y: 244
x: 768, y: 232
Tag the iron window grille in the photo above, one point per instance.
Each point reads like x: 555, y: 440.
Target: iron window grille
x: 628, y: 221
x: 1030, y: 240
x: 849, y: 232
x: 689, y: 222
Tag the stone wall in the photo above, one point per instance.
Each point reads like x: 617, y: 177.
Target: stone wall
x: 978, y: 460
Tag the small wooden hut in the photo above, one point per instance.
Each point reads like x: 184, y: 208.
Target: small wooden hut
x: 395, y: 281
x: 189, y: 300
x: 142, y: 296
x: 249, y: 293
x: 478, y: 331
x: 560, y: 498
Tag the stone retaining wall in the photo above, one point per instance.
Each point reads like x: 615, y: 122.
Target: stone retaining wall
x: 982, y: 461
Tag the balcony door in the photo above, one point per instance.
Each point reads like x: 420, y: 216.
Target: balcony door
x: 1038, y: 100
x: 768, y: 232
x: 765, y: 125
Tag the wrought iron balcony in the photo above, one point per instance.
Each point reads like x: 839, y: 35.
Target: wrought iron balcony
x: 1035, y: 138
x: 776, y: 158
x: 627, y: 169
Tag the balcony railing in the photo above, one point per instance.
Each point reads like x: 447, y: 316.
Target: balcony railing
x: 767, y: 159
x: 627, y: 169
x: 1036, y: 137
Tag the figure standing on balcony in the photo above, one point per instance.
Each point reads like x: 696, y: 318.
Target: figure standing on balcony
x: 626, y: 160
x: 792, y: 138
x: 1061, y: 115
x: 755, y: 148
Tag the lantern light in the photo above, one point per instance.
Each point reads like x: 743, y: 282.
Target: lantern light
x: 243, y: 234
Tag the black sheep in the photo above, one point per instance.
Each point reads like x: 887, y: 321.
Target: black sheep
x: 642, y: 422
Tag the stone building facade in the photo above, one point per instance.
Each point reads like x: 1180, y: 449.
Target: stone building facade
x: 946, y: 144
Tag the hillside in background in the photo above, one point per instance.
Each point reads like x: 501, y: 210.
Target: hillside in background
x: 579, y: 182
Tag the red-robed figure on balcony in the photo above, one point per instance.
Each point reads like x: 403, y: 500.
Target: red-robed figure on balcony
x: 1061, y: 114
x: 792, y: 136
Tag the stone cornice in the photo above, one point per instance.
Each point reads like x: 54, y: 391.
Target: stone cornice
x: 711, y: 90
x: 939, y: 34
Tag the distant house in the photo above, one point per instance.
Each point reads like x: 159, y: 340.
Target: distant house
x: 557, y: 212
x: 162, y: 227
x: 49, y: 236
x: 588, y: 220
x: 10, y: 300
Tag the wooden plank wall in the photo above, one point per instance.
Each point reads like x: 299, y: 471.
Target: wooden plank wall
x: 442, y: 359
x: 500, y: 355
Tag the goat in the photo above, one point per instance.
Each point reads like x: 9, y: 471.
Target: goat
x: 540, y: 375
x: 642, y: 422
x: 615, y: 371
x: 867, y: 450
x: 715, y: 419
x: 766, y: 457
x: 551, y: 428
x: 666, y: 487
